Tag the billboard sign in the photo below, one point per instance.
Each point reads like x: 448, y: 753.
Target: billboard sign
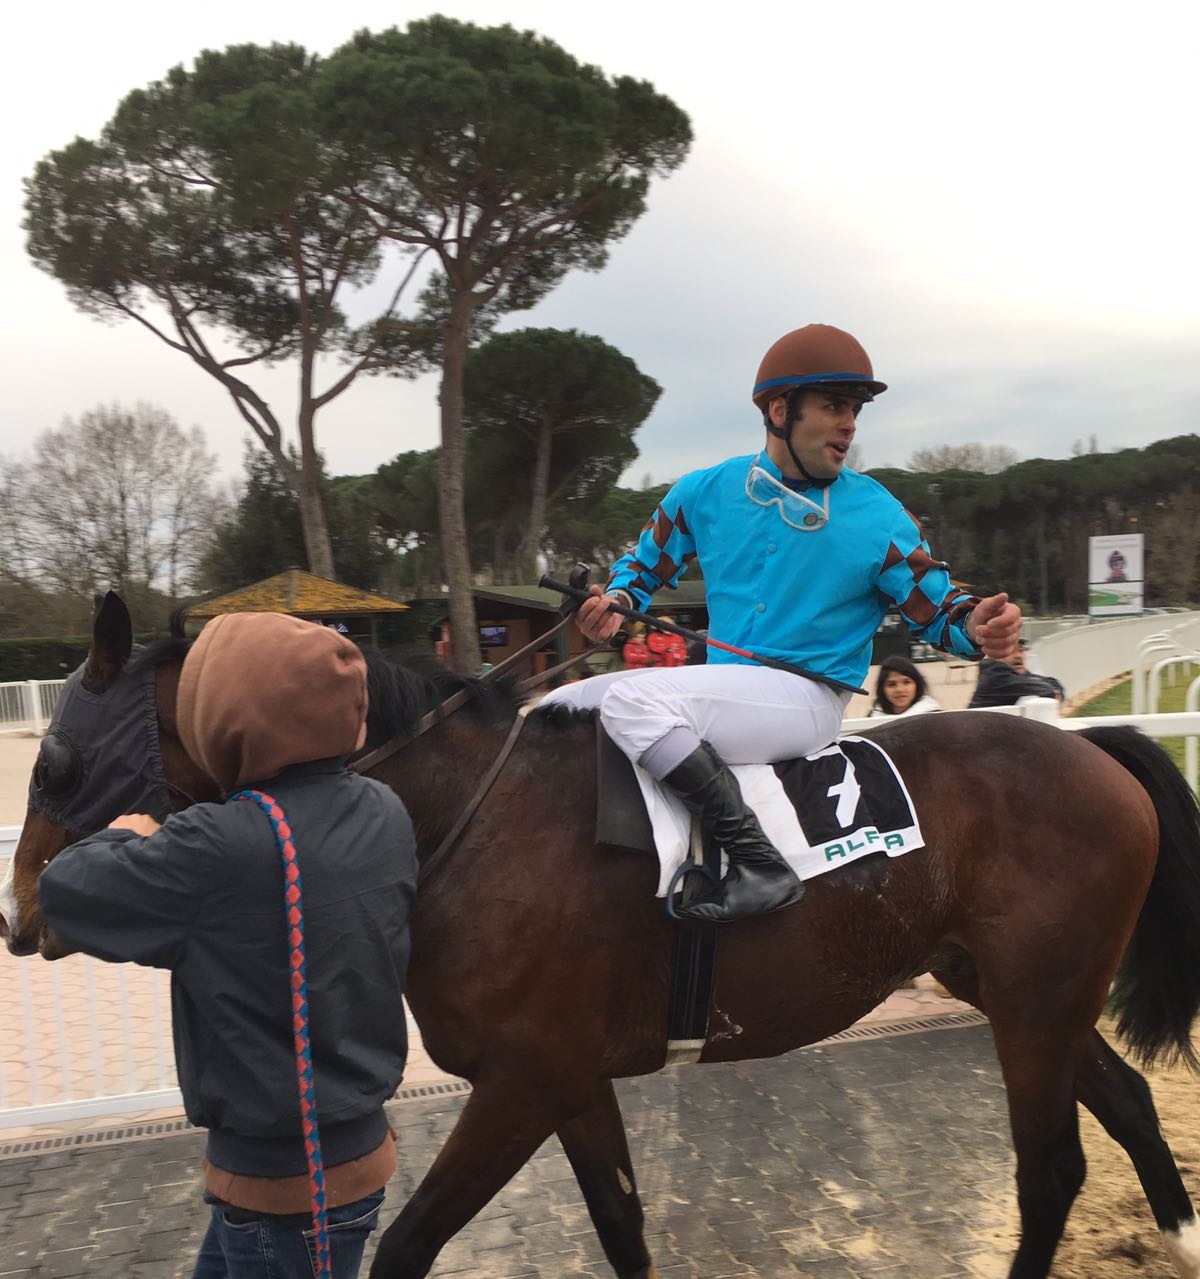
x: 1115, y: 576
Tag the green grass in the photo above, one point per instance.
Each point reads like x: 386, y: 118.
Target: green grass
x: 1119, y: 701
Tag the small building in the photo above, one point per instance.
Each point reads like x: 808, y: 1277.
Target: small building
x: 353, y: 611
x: 509, y: 617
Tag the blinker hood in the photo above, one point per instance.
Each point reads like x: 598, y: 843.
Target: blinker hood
x: 113, y: 739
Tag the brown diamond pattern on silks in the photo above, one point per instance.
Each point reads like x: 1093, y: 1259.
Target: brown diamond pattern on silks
x: 920, y: 562
x: 958, y: 605
x: 893, y: 556
x: 918, y: 608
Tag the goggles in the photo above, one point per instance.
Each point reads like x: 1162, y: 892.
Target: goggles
x: 800, y: 512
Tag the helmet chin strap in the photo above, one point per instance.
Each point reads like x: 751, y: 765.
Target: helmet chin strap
x: 784, y: 433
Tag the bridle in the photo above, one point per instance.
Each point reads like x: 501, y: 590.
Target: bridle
x: 364, y: 763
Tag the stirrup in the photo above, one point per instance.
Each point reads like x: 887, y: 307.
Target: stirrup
x: 688, y: 867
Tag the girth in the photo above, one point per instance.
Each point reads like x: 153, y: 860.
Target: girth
x: 622, y: 822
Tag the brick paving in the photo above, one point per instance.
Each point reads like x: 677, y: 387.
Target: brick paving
x: 885, y: 1158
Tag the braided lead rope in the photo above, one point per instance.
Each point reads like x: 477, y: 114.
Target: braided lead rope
x: 297, y: 968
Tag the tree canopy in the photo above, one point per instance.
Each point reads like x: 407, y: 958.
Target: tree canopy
x: 1025, y: 530
x: 262, y: 534
x: 988, y: 459
x: 204, y: 213
x: 235, y: 203
x: 550, y: 416
x: 512, y: 163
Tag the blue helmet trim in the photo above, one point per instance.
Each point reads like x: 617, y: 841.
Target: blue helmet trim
x: 818, y: 379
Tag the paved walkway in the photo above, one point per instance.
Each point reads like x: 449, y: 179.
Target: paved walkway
x: 17, y: 755
x: 803, y: 1165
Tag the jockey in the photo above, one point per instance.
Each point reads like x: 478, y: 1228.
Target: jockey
x: 802, y: 558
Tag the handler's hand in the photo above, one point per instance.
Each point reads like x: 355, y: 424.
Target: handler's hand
x: 594, y: 620
x: 995, y: 626
x: 139, y: 823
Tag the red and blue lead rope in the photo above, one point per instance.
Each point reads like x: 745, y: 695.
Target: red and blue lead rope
x: 298, y: 976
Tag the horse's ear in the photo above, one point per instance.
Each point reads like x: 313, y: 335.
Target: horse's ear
x: 112, y: 642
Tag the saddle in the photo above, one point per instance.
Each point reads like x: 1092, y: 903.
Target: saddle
x: 845, y: 802
x: 822, y: 811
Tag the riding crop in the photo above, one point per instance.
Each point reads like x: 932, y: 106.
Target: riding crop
x: 658, y: 624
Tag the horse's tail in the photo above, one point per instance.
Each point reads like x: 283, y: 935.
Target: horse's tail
x: 1157, y: 991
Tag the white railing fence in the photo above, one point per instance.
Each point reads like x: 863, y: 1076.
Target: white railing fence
x: 1083, y: 656
x: 1184, y: 724
x: 27, y: 705
x: 83, y: 1039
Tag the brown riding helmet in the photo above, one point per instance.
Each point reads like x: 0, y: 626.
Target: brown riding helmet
x: 816, y: 355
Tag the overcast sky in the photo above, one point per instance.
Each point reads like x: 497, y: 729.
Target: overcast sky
x: 998, y: 201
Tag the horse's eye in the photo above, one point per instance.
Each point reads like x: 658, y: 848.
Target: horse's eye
x: 57, y: 770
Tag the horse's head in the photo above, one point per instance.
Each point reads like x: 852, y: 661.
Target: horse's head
x: 111, y: 748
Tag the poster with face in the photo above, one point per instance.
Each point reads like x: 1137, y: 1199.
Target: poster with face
x: 1115, y: 577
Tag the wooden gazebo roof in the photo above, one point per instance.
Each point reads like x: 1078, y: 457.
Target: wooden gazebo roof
x: 300, y: 593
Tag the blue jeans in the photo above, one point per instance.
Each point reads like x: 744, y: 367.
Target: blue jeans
x: 259, y: 1245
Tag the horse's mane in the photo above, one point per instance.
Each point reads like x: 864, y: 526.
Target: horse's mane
x: 403, y: 687
x: 172, y: 648
x: 561, y: 716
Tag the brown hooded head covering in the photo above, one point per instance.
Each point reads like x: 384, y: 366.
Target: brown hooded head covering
x: 260, y: 691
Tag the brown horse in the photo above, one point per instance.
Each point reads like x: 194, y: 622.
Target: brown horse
x: 541, y: 963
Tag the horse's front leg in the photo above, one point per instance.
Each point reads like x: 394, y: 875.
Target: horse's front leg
x: 595, y: 1144
x: 500, y: 1128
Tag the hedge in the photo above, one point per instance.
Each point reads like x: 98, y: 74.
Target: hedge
x: 46, y: 658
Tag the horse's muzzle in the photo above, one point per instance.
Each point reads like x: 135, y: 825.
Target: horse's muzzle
x: 18, y: 946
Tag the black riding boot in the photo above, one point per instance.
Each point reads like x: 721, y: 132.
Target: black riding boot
x: 758, y: 879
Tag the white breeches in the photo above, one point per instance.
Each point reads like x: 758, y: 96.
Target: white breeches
x: 749, y: 714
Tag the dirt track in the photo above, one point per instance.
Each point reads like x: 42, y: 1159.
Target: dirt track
x: 1110, y: 1232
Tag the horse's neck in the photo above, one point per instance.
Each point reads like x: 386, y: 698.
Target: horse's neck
x: 437, y: 774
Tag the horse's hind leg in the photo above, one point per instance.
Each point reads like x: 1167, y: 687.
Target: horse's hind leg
x: 500, y: 1128
x: 596, y: 1146
x: 1120, y: 1099
x: 1038, y: 1059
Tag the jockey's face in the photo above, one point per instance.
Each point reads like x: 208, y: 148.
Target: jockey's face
x: 821, y: 434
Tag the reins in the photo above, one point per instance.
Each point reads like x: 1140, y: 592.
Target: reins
x: 364, y: 763
x: 456, y: 701
x: 430, y: 863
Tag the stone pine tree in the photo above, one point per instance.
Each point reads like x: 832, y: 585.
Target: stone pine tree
x: 203, y: 212
x: 560, y: 408
x: 512, y: 163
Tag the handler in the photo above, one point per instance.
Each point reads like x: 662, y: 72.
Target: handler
x: 275, y: 703
x: 802, y: 557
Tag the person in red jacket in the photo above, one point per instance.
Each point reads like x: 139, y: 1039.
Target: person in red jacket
x: 666, y: 649
x: 636, y: 654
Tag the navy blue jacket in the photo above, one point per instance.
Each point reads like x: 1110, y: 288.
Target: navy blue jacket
x: 204, y: 897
